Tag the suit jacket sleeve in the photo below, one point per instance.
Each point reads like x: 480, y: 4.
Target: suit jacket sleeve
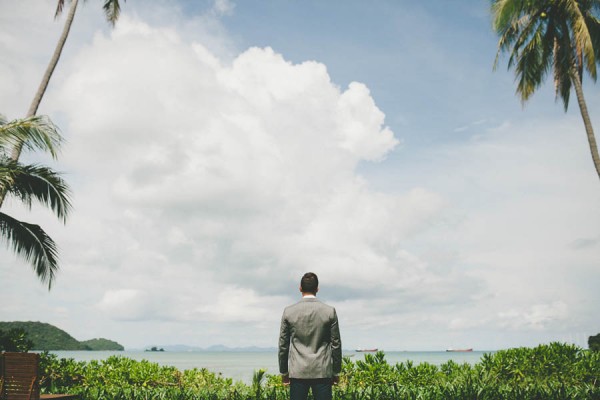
x: 284, y: 345
x: 336, y: 345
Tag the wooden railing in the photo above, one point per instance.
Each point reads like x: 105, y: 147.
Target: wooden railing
x: 19, y: 378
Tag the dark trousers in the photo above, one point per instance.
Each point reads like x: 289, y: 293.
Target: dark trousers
x: 321, y: 389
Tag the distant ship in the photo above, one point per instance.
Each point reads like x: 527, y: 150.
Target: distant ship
x: 460, y: 350
x: 366, y: 350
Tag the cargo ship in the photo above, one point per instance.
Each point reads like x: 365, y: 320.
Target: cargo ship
x: 459, y: 350
x: 366, y: 350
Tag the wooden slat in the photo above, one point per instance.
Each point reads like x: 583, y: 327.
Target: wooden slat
x: 20, y: 376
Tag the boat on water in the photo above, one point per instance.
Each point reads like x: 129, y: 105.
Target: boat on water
x: 459, y: 350
x: 366, y: 350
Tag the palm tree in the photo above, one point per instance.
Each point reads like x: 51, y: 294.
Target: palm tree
x: 562, y: 36
x: 32, y: 182
x: 112, y: 10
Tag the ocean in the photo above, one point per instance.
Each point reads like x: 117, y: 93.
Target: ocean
x: 241, y: 365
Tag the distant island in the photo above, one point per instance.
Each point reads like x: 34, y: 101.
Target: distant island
x: 47, y: 337
x: 180, y: 348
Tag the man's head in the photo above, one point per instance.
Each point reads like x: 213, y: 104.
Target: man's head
x: 309, y: 284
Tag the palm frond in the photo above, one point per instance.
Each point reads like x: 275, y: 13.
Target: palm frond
x: 530, y: 68
x: 59, y: 7
x: 527, y: 38
x: 581, y: 38
x: 562, y: 75
x: 507, y: 37
x: 37, y: 132
x: 112, y: 10
x: 515, y: 24
x: 593, y: 25
x: 505, y: 12
x: 33, y: 244
x: 28, y: 182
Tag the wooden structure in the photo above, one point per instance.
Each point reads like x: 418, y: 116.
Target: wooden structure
x: 19, y: 378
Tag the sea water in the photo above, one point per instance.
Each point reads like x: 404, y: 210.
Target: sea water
x: 240, y: 366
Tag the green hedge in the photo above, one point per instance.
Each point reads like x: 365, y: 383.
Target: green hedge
x: 554, y: 371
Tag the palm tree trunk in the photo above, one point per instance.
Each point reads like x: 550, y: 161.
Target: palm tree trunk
x: 48, y: 74
x: 586, y: 119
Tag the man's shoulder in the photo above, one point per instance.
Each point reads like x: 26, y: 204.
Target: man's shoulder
x: 312, y: 302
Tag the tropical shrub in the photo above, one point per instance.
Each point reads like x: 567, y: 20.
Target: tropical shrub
x: 594, y: 342
x: 15, y: 340
x: 553, y: 371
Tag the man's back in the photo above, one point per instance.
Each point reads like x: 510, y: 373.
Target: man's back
x: 310, y: 348
x: 310, y: 340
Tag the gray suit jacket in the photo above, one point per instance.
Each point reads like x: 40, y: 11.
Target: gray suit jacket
x: 309, y: 341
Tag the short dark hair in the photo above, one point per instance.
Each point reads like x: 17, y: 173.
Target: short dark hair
x: 309, y: 283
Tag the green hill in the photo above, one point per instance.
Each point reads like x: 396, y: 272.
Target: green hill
x: 48, y: 337
x: 102, y: 344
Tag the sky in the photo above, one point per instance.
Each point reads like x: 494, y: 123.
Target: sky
x: 217, y: 150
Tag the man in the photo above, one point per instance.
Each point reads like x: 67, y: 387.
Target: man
x: 310, y: 348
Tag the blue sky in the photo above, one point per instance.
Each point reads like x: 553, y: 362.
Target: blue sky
x: 218, y: 150
x: 408, y: 54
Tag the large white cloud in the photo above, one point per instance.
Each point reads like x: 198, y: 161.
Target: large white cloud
x: 201, y: 183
